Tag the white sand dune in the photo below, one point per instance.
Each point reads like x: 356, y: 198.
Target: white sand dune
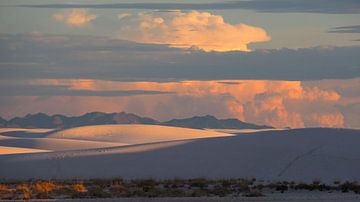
x: 92, y: 137
x: 54, y: 144
x: 19, y: 150
x: 240, y: 131
x: 24, y: 132
x: 35, y: 130
x: 134, y: 133
x: 299, y: 155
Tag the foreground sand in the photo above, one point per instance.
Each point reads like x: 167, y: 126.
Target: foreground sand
x: 337, y: 197
x: 167, y: 152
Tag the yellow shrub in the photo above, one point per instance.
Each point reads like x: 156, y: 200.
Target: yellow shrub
x: 25, y: 190
x: 44, y: 186
x: 79, y: 187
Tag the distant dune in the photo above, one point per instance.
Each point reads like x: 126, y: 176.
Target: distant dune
x: 134, y: 133
x: 55, y: 144
x: 19, y: 150
x: 168, y: 152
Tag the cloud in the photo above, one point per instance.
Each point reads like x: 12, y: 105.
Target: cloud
x: 123, y: 15
x: 201, y: 30
x: 277, y: 103
x: 29, y: 56
x: 272, y: 6
x: 328, y: 120
x: 77, y: 88
x: 75, y: 17
x: 345, y: 29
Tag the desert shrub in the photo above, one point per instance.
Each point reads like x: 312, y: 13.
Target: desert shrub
x: 117, y: 185
x: 198, y: 182
x: 147, y: 183
x: 337, y: 182
x: 78, y: 190
x: 304, y: 186
x: 221, y: 191
x: 259, y: 187
x: 227, y: 182
x: 6, y: 193
x: 4, y: 188
x: 23, y: 192
x: 100, y: 182
x: 350, y: 186
x: 281, y: 187
x: 43, y: 188
x: 252, y: 181
x: 173, y: 192
x: 98, y: 192
x: 198, y: 193
x: 253, y: 193
x: 79, y: 187
x: 151, y: 192
x: 175, y: 183
x: 345, y: 187
x: 243, y: 185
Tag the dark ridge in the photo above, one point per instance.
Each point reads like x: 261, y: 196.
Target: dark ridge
x: 41, y: 120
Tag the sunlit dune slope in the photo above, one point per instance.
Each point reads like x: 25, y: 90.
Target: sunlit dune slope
x: 54, y: 144
x: 24, y: 132
x: 17, y: 150
x: 133, y: 133
x: 29, y: 130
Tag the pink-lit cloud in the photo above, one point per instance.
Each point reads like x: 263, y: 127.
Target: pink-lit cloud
x: 74, y: 17
x: 276, y: 103
x: 200, y: 30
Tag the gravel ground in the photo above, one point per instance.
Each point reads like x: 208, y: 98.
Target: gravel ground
x: 292, y: 197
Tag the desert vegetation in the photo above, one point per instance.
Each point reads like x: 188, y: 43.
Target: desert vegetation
x: 197, y: 187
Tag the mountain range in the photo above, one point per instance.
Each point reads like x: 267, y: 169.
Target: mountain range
x: 41, y: 120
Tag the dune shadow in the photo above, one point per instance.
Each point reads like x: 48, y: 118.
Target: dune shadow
x: 26, y: 134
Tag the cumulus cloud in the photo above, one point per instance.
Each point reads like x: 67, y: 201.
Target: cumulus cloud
x: 123, y: 15
x: 277, y: 103
x: 201, y: 30
x: 328, y: 120
x: 76, y: 17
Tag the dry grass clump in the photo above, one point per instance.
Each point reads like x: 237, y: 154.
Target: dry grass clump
x: 4, y: 188
x: 199, y: 182
x: 42, y: 189
x: 23, y: 192
x: 6, y: 192
x: 197, y: 187
x: 253, y: 193
x: 79, y: 187
x: 44, y: 186
x: 117, y: 185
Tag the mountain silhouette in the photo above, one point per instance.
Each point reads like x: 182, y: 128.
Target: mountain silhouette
x: 41, y: 120
x: 212, y: 122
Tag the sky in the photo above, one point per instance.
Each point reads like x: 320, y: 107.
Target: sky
x: 285, y: 63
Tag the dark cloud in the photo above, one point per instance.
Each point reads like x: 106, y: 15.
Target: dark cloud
x: 42, y: 90
x: 71, y: 57
x: 229, y: 82
x: 272, y: 6
x: 345, y: 29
